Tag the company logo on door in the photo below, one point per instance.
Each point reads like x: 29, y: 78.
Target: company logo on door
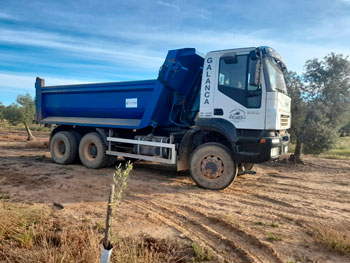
x: 237, y: 115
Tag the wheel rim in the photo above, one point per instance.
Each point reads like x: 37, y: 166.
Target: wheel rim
x: 59, y: 148
x: 212, y: 167
x: 90, y: 151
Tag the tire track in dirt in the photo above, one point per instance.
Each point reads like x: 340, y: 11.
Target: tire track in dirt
x: 253, y: 246
x: 214, y: 231
x: 258, y: 204
x: 186, y: 230
x: 222, y: 247
x: 263, y: 209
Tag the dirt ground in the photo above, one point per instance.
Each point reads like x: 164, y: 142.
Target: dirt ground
x: 267, y: 217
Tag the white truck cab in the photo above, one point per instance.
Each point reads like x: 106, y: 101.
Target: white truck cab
x: 246, y: 88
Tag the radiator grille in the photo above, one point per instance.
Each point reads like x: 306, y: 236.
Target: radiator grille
x: 284, y: 120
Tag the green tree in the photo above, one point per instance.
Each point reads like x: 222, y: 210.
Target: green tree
x: 296, y: 88
x: 28, y: 110
x: 328, y: 93
x: 13, y: 114
x: 22, y: 112
x: 320, y: 103
x: 2, y: 109
x: 345, y: 130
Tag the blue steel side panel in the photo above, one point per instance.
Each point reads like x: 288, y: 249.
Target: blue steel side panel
x: 104, y: 104
x: 39, y: 83
x: 179, y: 68
x: 148, y: 116
x: 94, y: 122
x: 105, y: 100
x: 178, y: 73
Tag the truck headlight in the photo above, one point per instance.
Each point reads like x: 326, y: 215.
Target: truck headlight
x: 275, y: 151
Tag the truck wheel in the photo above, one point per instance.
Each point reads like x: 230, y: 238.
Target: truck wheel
x: 92, y: 151
x: 64, y: 147
x: 78, y: 137
x: 212, y: 166
x: 247, y: 167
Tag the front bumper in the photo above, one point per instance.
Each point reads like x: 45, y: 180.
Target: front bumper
x: 261, y: 149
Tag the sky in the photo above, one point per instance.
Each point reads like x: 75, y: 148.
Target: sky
x: 70, y: 42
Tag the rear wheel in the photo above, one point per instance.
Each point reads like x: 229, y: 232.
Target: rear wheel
x: 64, y: 147
x: 212, y: 166
x: 78, y: 137
x: 92, y: 151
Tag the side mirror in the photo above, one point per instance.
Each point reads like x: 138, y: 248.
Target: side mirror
x: 230, y: 59
x: 254, y: 72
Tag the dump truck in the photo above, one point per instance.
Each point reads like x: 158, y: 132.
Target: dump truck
x: 215, y: 115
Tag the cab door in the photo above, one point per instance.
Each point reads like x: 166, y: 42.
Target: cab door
x: 238, y: 101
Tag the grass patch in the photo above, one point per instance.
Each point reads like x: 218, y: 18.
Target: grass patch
x: 3, y: 196
x: 4, y: 125
x: 273, y: 237
x: 201, y: 254
x: 337, y: 240
x: 274, y: 224
x: 340, y: 151
x: 32, y: 234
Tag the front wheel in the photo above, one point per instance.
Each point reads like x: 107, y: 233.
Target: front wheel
x: 212, y: 166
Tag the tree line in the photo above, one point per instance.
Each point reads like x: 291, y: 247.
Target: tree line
x: 20, y: 112
x: 320, y: 105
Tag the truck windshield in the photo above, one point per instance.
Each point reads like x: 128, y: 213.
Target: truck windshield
x: 275, y: 76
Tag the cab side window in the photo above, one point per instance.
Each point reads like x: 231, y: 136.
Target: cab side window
x: 234, y: 79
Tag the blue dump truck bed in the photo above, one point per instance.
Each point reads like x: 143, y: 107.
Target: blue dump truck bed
x: 129, y: 105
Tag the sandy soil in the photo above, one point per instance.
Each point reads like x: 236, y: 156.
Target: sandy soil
x: 281, y: 199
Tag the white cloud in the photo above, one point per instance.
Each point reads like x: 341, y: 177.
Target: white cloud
x: 26, y: 82
x: 8, y: 16
x: 295, y: 52
x: 90, y: 48
x: 170, y: 5
x: 142, y: 50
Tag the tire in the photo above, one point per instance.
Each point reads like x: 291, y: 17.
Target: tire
x: 78, y: 137
x: 247, y: 167
x: 92, y: 151
x: 64, y: 147
x: 209, y: 158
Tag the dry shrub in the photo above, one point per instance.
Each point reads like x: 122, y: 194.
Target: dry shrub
x: 335, y: 238
x: 150, y: 250
x: 33, y: 234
